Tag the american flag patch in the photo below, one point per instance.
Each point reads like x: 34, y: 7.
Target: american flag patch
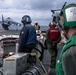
x: 22, y: 32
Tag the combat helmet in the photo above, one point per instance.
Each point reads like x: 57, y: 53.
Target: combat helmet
x: 26, y: 19
x: 52, y: 24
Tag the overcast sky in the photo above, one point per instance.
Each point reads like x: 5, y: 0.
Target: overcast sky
x: 39, y: 10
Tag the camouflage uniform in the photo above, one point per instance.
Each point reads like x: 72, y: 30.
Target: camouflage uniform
x: 52, y: 47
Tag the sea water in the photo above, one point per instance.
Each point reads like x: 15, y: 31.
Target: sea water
x: 14, y: 27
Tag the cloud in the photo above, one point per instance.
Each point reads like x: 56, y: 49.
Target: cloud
x: 39, y: 10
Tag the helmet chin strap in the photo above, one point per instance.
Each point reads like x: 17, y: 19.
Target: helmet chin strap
x: 24, y: 23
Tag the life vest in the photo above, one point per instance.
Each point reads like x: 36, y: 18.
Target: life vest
x: 69, y: 43
x: 54, y: 34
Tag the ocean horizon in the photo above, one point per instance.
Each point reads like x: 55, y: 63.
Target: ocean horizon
x: 14, y: 27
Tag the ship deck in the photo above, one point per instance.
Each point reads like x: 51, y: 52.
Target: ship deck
x: 46, y: 55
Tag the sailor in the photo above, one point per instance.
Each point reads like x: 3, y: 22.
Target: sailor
x: 53, y: 36
x: 27, y: 37
x: 66, y: 64
x: 37, y: 26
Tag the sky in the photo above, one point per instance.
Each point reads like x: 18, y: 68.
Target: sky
x: 38, y: 10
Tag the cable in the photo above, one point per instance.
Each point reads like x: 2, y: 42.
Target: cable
x: 43, y: 67
x: 30, y: 72
x: 40, y: 50
x: 1, y: 73
x: 37, y: 69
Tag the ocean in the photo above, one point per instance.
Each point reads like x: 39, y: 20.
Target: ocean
x: 44, y: 28
x: 14, y: 27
